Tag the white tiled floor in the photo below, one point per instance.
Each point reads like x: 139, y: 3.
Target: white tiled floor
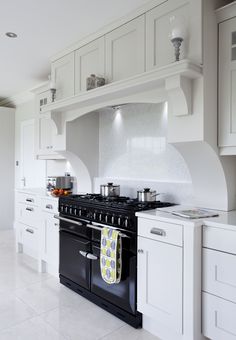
x: 36, y: 306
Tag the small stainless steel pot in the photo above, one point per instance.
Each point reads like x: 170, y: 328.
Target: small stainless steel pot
x: 146, y: 195
x: 109, y: 190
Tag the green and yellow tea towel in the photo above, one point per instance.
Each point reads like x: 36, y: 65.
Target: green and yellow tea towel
x: 111, y: 255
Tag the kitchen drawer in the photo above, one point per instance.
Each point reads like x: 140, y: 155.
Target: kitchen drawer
x: 29, y: 215
x: 219, y: 274
x: 30, y: 199
x: 161, y: 231
x: 49, y: 205
x: 218, y: 321
x: 219, y: 239
x: 30, y: 240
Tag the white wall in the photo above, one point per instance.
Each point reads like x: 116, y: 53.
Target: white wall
x: 7, y: 135
x: 133, y: 152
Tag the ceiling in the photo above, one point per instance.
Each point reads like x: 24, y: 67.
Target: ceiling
x: 44, y: 28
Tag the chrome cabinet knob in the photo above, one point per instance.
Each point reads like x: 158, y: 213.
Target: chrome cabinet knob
x: 140, y: 251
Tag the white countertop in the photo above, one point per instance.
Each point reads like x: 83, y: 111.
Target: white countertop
x: 225, y: 220
x: 41, y: 192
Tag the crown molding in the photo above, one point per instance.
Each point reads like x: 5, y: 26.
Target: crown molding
x: 25, y: 96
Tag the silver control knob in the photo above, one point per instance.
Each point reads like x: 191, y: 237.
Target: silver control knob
x: 94, y: 215
x: 106, y: 218
x: 71, y: 211
x: 112, y: 219
x: 75, y: 211
x: 119, y: 220
x: 80, y: 212
x: 126, y: 222
x: 100, y: 217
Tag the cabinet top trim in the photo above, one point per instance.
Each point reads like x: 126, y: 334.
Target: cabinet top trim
x: 227, y: 12
x: 110, y: 27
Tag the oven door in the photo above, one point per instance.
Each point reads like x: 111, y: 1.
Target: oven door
x: 122, y: 294
x: 73, y: 262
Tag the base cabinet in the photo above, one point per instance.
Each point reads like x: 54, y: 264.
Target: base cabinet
x: 50, y: 251
x: 37, y: 231
x: 219, y: 284
x: 160, y: 282
x: 218, y: 318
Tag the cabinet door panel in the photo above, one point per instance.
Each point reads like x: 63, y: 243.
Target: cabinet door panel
x: 218, y: 274
x: 160, y: 282
x: 89, y: 59
x: 227, y: 83
x: 62, y: 73
x: 45, y: 134
x: 218, y: 318
x: 125, y: 50
x: 52, y: 241
x: 159, y: 49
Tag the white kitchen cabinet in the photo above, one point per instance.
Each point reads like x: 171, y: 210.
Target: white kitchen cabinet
x: 227, y: 86
x: 89, y: 59
x: 46, y: 130
x: 27, y: 223
x: 159, y: 49
x: 30, y: 241
x: 42, y: 99
x: 47, y: 137
x: 219, y: 283
x: 218, y: 318
x: 219, y: 275
x: 160, y: 283
x: 62, y: 74
x: 125, y: 50
x: 50, y: 244
x: 37, y: 231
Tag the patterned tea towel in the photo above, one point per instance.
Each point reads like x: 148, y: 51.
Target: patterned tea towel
x: 111, y: 255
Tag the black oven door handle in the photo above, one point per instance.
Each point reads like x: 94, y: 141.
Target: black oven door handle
x: 68, y: 220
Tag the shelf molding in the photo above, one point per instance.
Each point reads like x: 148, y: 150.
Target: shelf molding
x: 171, y: 83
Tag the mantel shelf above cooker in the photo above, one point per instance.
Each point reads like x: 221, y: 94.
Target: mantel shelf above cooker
x: 171, y: 82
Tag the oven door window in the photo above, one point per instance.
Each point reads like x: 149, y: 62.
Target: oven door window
x: 122, y: 294
x: 73, y: 264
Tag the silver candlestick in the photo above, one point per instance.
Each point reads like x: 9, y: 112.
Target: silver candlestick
x: 177, y: 43
x: 53, y: 92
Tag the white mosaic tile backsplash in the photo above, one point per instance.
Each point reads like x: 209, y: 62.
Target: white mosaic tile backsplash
x: 135, y: 154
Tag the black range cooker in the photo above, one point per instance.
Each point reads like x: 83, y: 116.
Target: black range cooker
x: 81, y: 219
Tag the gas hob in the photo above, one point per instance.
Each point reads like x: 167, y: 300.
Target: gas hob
x: 118, y: 211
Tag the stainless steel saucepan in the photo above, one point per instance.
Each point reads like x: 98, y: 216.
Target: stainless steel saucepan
x: 109, y: 190
x: 146, y: 195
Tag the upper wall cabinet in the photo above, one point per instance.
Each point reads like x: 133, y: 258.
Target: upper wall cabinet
x: 159, y: 49
x: 227, y: 86
x: 89, y: 59
x: 62, y: 73
x: 125, y: 50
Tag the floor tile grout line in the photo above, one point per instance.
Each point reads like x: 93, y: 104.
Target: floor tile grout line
x: 110, y: 333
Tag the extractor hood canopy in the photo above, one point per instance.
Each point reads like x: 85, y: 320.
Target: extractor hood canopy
x: 171, y: 83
